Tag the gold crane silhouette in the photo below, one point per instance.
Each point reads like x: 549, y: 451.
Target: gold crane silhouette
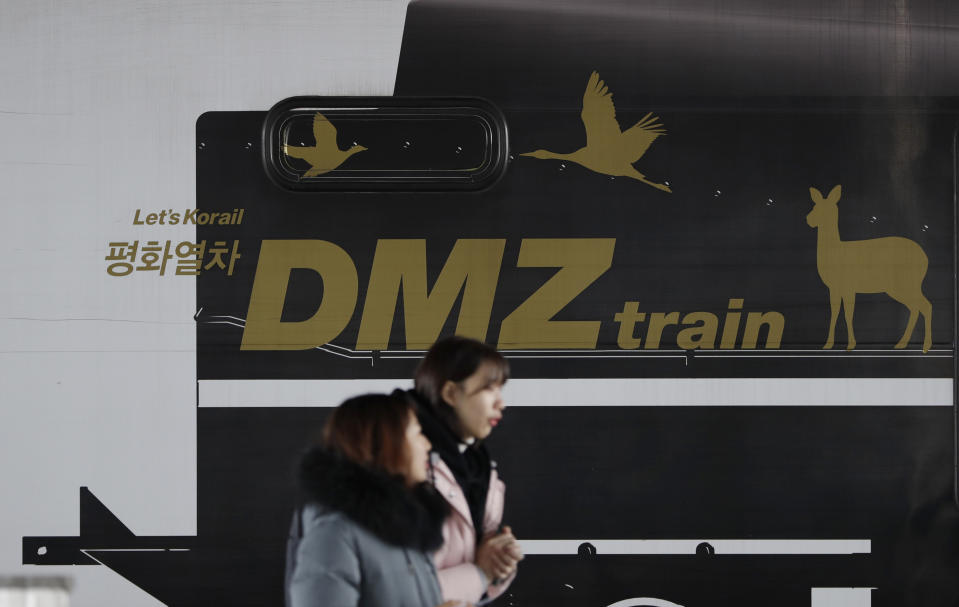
x: 325, y: 155
x: 608, y: 149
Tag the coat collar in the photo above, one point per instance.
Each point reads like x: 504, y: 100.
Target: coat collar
x: 375, y: 500
x: 470, y: 467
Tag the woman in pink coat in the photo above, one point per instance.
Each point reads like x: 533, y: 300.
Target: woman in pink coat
x: 458, y: 387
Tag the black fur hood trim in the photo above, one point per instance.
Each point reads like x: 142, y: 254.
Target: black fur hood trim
x: 377, y: 501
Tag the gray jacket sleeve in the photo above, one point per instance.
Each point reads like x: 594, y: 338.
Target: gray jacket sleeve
x: 327, y: 570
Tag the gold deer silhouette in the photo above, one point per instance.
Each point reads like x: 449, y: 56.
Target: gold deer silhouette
x: 892, y: 265
x: 325, y: 155
x: 609, y: 150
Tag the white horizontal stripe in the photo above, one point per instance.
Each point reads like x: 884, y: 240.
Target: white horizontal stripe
x: 637, y: 547
x: 644, y: 602
x: 617, y: 392
x: 289, y: 392
x: 841, y: 597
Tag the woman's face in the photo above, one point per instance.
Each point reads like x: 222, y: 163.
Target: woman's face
x: 477, y: 401
x: 418, y: 447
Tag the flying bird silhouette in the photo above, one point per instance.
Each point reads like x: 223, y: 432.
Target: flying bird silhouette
x: 609, y: 150
x: 325, y: 155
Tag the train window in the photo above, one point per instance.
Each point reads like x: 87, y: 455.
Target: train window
x: 360, y: 144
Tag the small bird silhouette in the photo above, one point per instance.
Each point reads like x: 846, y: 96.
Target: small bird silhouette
x: 609, y: 150
x: 325, y: 155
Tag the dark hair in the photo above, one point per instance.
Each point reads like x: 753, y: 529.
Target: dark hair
x: 454, y: 359
x: 371, y: 430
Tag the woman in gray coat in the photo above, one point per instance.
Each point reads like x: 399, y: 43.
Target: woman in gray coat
x: 370, y: 522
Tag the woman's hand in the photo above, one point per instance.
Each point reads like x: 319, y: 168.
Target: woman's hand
x: 455, y: 603
x: 513, y: 547
x: 498, y: 554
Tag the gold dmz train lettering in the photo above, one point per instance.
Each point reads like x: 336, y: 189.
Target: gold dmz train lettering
x: 470, y: 274
x: 700, y: 328
x: 472, y: 268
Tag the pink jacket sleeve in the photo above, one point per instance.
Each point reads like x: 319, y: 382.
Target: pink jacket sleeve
x: 466, y: 582
x: 462, y: 582
x: 495, y: 503
x: 495, y: 590
x: 459, y: 577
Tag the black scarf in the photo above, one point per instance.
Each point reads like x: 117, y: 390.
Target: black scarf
x: 471, y: 468
x: 376, y: 500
